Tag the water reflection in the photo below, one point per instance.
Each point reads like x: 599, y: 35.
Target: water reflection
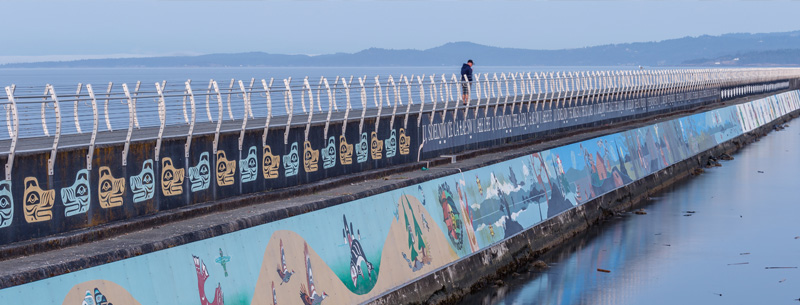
x: 744, y: 222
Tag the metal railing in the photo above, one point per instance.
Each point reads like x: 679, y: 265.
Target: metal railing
x: 123, y: 113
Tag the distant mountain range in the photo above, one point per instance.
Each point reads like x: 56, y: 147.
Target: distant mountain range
x: 764, y: 49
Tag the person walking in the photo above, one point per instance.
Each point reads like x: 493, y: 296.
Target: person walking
x: 466, y: 78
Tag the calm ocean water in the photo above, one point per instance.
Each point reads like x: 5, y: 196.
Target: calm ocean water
x: 742, y: 224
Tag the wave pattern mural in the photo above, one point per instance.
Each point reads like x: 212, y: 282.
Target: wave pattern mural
x: 354, y: 251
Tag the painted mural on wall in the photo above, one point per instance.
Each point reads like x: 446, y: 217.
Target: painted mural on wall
x: 357, y: 250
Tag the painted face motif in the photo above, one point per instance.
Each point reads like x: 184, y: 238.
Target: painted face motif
x: 38, y: 202
x: 76, y: 197
x: 405, y: 142
x: 225, y: 169
x: 171, y: 178
x: 291, y: 162
x: 345, y: 151
x: 6, y: 204
x: 111, y: 190
x: 143, y: 185
x: 363, y: 148
x: 249, y: 166
x: 329, y: 154
x: 271, y: 163
x: 376, y: 147
x: 200, y: 175
x: 310, y: 158
x: 391, y: 145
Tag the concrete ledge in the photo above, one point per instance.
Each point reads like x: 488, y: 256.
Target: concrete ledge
x: 451, y: 283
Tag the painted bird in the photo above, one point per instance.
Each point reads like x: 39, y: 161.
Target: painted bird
x: 309, y: 295
x: 283, y: 271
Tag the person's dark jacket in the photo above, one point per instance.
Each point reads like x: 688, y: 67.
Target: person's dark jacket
x: 466, y: 70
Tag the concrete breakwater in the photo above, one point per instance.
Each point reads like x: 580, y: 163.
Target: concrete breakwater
x: 421, y: 238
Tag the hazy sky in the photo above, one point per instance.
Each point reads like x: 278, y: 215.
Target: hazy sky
x: 41, y: 29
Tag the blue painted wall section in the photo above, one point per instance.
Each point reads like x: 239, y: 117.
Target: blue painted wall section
x: 351, y: 252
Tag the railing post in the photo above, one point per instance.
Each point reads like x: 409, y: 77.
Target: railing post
x: 135, y: 97
x: 303, y: 97
x: 246, y: 98
x: 410, y: 101
x: 130, y: 125
x: 52, y: 161
x: 378, y: 96
x: 230, y: 93
x: 75, y: 108
x: 183, y: 105
x: 288, y: 102
x: 348, y: 105
x: 188, y: 144
x: 455, y: 100
x: 336, y: 87
x: 44, y: 115
x: 162, y: 117
x: 250, y: 98
x: 499, y: 93
x: 394, y: 109
x: 363, y: 104
x: 434, y: 97
x: 269, y: 109
x: 331, y: 102
x: 95, y: 123
x: 307, y: 86
x: 208, y: 100
x: 420, y: 80
x: 444, y: 93
x: 514, y: 102
x: 8, y: 114
x: 539, y: 90
x: 14, y: 134
x: 105, y: 108
x: 215, y: 144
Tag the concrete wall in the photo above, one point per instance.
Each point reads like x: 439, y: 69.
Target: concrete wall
x: 360, y: 250
x: 77, y: 196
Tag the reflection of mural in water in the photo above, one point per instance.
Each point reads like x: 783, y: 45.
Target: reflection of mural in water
x: 271, y: 164
x: 362, y: 151
x: 225, y: 169
x: 171, y: 178
x: 200, y: 174
x: 111, y: 190
x: 38, y: 202
x: 6, y: 204
x: 329, y: 154
x: 77, y: 197
x: 143, y: 185
x: 395, y: 236
x: 345, y: 151
x: 291, y: 161
x: 248, y: 168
